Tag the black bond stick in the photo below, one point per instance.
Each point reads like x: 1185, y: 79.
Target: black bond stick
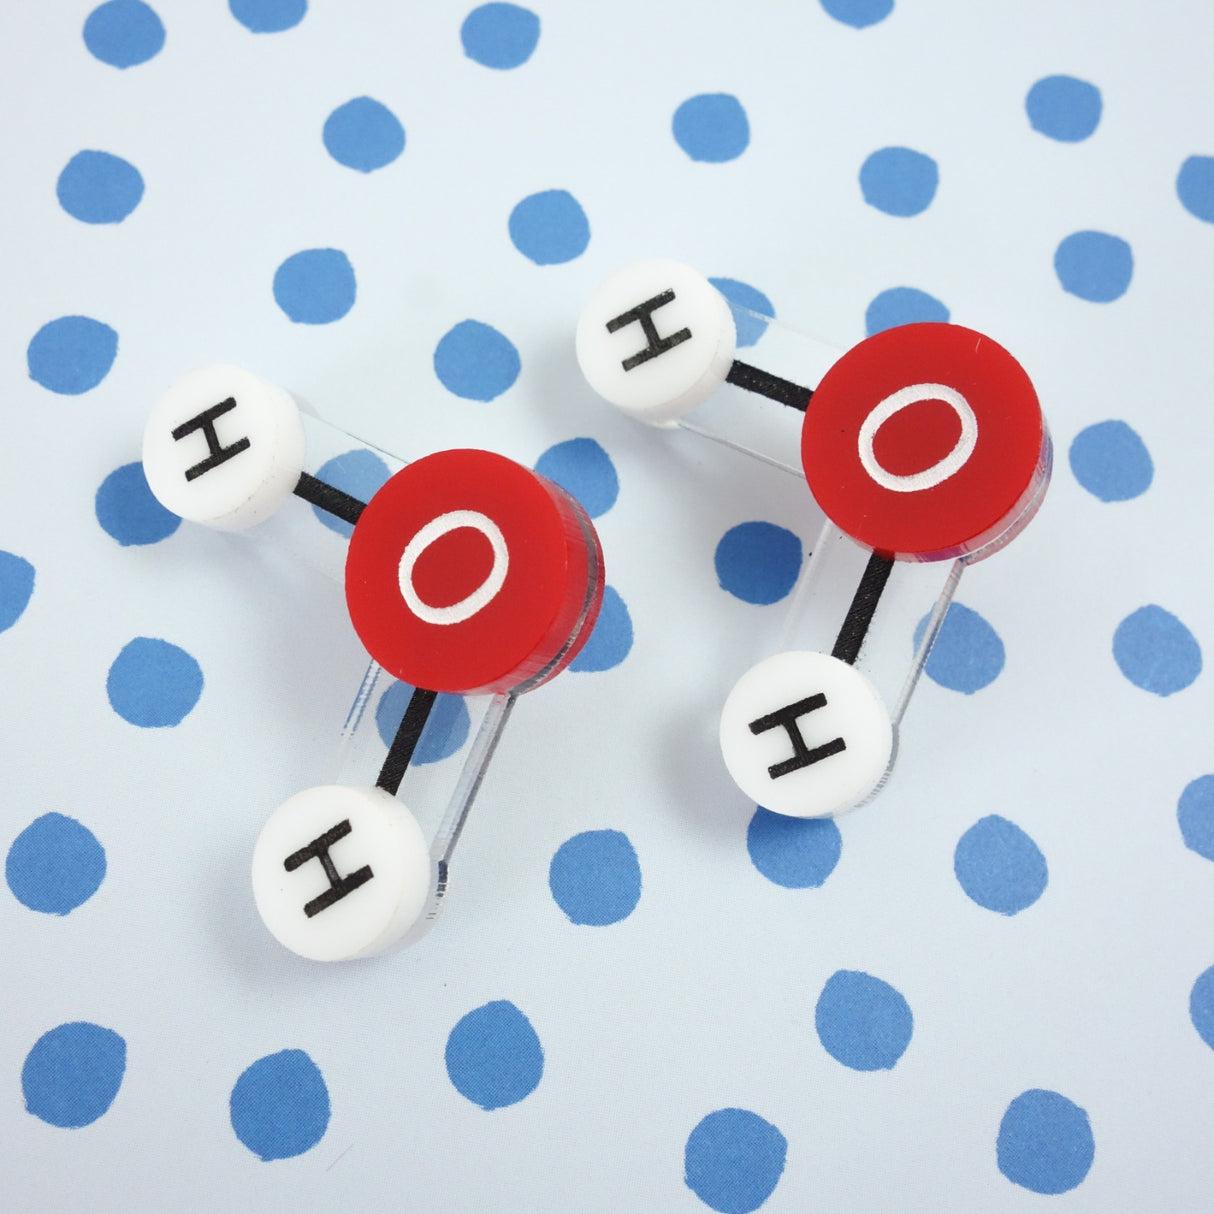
x: 329, y: 497
x: 405, y: 742
x: 877, y: 571
x: 349, y: 509
x: 863, y: 607
x: 743, y: 375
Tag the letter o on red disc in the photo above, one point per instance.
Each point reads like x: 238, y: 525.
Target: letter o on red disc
x: 469, y: 573
x: 927, y: 442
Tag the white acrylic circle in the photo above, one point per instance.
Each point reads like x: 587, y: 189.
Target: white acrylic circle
x: 668, y: 384
x: 241, y: 487
x: 483, y: 595
x: 852, y: 711
x: 383, y: 836
x: 939, y: 471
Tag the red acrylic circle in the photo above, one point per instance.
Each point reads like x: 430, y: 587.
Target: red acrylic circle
x: 531, y: 626
x: 996, y: 488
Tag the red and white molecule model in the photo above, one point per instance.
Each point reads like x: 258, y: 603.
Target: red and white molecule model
x: 923, y: 443
x: 466, y: 573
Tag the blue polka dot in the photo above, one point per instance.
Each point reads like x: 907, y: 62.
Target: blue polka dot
x: 501, y: 36
x: 16, y: 588
x: 1195, y: 187
x: 446, y: 728
x: 999, y: 866
x: 1195, y: 813
x: 153, y: 683
x: 902, y: 306
x: 1112, y: 462
x: 611, y: 640
x: 549, y: 228
x: 475, y: 361
x: 1094, y: 266
x: 268, y: 16
x: 55, y: 865
x: 493, y: 1056
x: 899, y: 181
x: 968, y: 654
x: 360, y: 473
x: 128, y: 510
x: 744, y: 301
x: 862, y: 1022
x: 1045, y: 1142
x: 758, y: 562
x: 96, y: 187
x: 859, y: 13
x: 595, y: 877
x: 1156, y: 652
x: 73, y: 1073
x: 1063, y: 108
x: 279, y: 1106
x: 364, y: 134
x: 733, y: 1160
x: 315, y: 286
x: 123, y: 33
x: 581, y: 467
x: 72, y: 354
x: 797, y: 853
x: 1201, y: 1006
x: 712, y: 127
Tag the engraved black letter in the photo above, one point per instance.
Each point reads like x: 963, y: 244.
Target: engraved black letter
x: 802, y: 755
x: 205, y: 422
x: 644, y: 313
x: 339, y: 887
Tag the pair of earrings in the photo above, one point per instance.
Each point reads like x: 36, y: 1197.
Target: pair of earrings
x: 469, y: 574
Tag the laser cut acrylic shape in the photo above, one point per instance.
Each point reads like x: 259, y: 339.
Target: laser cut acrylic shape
x: 465, y: 573
x: 925, y: 449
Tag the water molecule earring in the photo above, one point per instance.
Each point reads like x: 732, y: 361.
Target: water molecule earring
x: 925, y: 448
x: 466, y: 573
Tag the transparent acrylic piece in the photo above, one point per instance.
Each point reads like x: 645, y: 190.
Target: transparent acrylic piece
x: 440, y: 794
x: 753, y: 424
x: 904, y: 627
x: 297, y: 527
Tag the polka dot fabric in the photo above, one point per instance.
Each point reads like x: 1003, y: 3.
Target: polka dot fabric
x: 691, y: 1001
